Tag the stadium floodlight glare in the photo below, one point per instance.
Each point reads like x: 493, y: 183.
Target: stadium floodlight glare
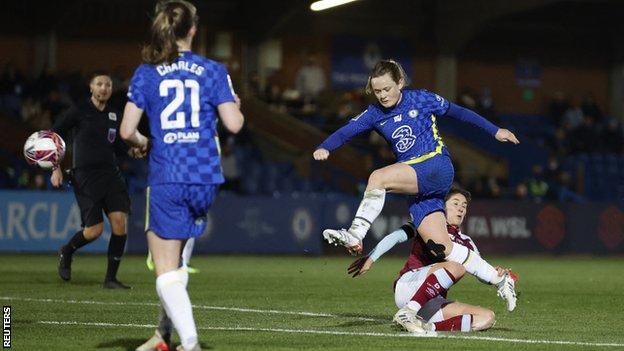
x: 326, y: 4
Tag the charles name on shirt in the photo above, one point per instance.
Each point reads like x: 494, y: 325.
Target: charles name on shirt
x: 180, y: 66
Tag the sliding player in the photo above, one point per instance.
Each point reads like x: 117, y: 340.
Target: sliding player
x: 420, y: 291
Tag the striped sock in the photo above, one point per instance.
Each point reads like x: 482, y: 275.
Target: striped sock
x: 435, y: 284
x: 458, y: 323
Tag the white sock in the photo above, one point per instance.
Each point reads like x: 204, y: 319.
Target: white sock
x: 474, y: 264
x: 369, y: 209
x: 174, y: 298
x: 187, y: 252
x: 164, y: 322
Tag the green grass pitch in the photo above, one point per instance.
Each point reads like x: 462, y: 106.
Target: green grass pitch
x: 308, y: 303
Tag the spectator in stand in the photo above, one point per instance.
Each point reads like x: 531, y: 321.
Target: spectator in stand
x: 468, y: 98
x: 590, y: 108
x: 573, y: 117
x: 560, y: 143
x: 564, y: 189
x: 46, y: 82
x: 558, y: 107
x: 537, y: 185
x: 11, y: 90
x: 486, y: 105
x: 521, y: 192
x: 310, y: 79
x: 612, y: 138
x: 53, y: 103
x: 585, y: 138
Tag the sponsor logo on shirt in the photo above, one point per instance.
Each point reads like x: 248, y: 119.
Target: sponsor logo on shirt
x: 405, y: 138
x: 181, y: 137
x: 112, y: 116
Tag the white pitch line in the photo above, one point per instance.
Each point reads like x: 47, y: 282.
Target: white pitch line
x: 204, y: 307
x: 333, y: 332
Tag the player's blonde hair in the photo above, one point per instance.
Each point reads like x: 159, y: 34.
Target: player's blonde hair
x: 386, y: 66
x: 172, y: 21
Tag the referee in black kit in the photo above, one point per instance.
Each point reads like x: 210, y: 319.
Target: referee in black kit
x: 98, y: 184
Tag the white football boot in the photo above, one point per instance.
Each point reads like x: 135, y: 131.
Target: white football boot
x: 407, y: 319
x: 155, y: 343
x: 345, y: 238
x: 507, y: 291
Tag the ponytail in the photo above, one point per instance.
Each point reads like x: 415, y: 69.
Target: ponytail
x: 386, y: 66
x: 172, y: 21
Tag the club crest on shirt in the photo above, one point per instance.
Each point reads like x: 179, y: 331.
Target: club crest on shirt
x: 112, y: 134
x: 112, y: 116
x: 440, y: 99
x: 413, y: 113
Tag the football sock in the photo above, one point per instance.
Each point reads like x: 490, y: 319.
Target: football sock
x: 474, y: 264
x: 174, y: 298
x: 76, y: 242
x: 369, y: 209
x: 458, y: 323
x: 435, y: 284
x: 116, y: 246
x: 165, y: 325
x: 187, y: 252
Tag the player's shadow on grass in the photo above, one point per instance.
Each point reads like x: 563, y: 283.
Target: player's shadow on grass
x: 132, y: 344
x: 362, y: 320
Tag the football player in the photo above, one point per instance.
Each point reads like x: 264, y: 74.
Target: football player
x: 420, y: 291
x: 407, y: 120
x: 182, y: 94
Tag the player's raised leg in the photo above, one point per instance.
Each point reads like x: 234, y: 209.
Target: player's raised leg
x: 399, y: 178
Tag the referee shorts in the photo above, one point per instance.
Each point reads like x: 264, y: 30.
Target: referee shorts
x: 97, y: 191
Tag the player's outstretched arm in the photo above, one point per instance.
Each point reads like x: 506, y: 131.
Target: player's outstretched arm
x: 466, y: 115
x: 504, y: 135
x: 363, y: 264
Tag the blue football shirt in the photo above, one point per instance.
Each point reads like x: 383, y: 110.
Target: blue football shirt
x: 409, y: 127
x: 180, y: 100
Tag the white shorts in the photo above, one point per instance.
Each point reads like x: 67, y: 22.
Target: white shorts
x: 406, y: 287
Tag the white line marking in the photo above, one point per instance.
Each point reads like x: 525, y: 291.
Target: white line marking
x: 204, y: 307
x: 333, y: 332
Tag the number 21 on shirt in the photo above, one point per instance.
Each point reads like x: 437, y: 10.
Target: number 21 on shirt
x: 179, y: 89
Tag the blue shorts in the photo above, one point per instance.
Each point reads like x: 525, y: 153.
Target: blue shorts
x: 178, y: 211
x: 435, y: 177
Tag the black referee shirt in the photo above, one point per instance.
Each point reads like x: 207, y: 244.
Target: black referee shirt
x: 95, y: 135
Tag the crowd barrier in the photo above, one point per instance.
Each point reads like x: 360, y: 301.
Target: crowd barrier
x: 43, y: 221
